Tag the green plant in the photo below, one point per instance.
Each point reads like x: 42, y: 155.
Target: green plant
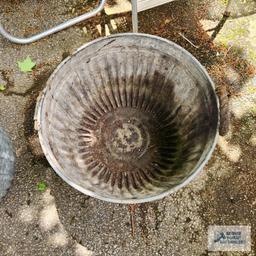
x: 41, y: 186
x: 26, y: 65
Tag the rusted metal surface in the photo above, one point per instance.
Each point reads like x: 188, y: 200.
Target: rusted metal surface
x: 7, y: 163
x: 224, y: 110
x: 132, y: 210
x: 129, y: 118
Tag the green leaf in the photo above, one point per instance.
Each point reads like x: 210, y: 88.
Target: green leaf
x: 2, y: 87
x: 41, y: 186
x: 26, y: 65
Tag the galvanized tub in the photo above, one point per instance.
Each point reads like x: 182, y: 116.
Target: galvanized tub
x: 7, y: 163
x: 129, y: 118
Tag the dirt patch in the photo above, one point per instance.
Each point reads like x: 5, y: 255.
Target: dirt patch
x: 29, y: 113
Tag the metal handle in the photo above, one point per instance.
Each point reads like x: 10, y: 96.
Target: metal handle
x: 51, y: 31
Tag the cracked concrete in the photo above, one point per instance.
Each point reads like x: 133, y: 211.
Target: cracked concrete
x: 62, y: 221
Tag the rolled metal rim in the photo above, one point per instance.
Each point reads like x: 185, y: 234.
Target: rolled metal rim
x: 52, y: 160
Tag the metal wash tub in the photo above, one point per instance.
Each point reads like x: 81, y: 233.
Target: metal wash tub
x: 128, y: 118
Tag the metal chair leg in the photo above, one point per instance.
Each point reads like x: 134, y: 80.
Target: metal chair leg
x: 53, y: 30
x: 135, y: 16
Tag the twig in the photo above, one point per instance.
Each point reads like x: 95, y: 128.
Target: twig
x: 132, y: 209
x: 188, y: 40
x: 211, y: 29
x: 221, y: 23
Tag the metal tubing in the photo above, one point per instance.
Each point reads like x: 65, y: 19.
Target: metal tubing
x: 135, y: 16
x: 51, y: 31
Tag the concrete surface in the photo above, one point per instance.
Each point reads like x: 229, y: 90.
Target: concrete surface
x: 238, y: 8
x: 60, y: 220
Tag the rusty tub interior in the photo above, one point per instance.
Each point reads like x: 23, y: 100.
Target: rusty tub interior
x: 129, y: 118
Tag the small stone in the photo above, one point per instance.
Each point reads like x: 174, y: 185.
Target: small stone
x: 167, y: 21
x: 85, y: 30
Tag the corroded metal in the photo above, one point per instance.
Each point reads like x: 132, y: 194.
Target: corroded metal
x: 129, y: 118
x: 7, y: 163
